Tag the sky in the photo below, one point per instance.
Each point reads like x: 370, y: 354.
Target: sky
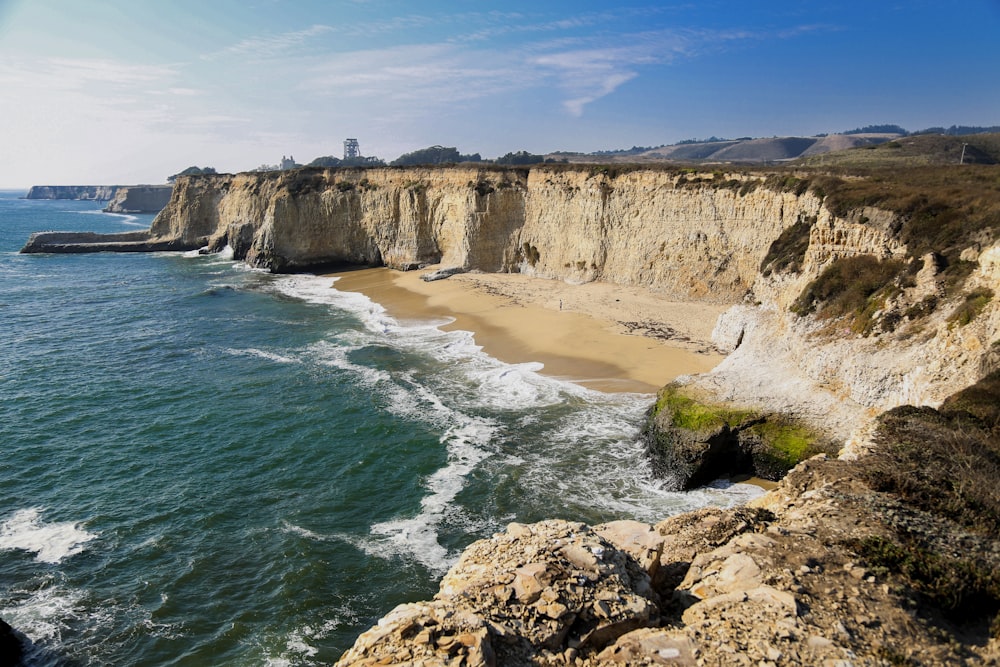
x: 132, y: 91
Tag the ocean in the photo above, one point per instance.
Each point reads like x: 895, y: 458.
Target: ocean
x: 205, y: 464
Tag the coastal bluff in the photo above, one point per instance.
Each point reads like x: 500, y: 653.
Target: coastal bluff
x: 139, y: 199
x: 754, y: 240
x: 80, y: 192
x: 850, y: 314
x: 120, y: 198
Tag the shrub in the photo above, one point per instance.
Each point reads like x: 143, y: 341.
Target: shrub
x: 788, y: 183
x: 788, y: 251
x: 970, y: 308
x: 846, y: 287
x: 964, y: 589
x: 981, y: 400
x: 925, y: 307
x: 945, y: 463
x: 483, y: 187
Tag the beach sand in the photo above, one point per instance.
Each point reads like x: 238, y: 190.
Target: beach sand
x: 606, y: 337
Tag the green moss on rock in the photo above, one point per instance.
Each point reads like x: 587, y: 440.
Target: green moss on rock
x: 691, y: 441
x: 688, y: 413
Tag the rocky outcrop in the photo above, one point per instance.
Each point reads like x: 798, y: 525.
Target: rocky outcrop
x: 780, y: 583
x: 11, y: 645
x: 84, y: 192
x: 549, y: 590
x: 692, y: 441
x: 139, y: 199
x: 84, y: 242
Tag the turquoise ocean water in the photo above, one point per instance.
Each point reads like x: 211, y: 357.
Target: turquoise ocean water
x: 202, y: 464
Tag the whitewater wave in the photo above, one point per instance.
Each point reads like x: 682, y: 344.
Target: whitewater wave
x: 261, y: 354
x: 50, y: 542
x: 577, y: 444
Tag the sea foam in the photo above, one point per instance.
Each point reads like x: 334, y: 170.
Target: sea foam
x: 50, y: 542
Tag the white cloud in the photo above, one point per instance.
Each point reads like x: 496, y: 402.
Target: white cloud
x: 273, y: 45
x: 82, y: 74
x: 604, y: 86
x: 426, y: 75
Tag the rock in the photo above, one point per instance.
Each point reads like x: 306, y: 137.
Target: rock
x: 518, y: 595
x: 11, y: 645
x: 139, y: 199
x: 650, y: 647
x: 529, y: 582
x: 639, y: 540
x: 441, y: 274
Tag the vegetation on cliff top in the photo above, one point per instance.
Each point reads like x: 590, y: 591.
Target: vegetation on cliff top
x: 944, y: 463
x: 940, y: 212
x: 192, y: 171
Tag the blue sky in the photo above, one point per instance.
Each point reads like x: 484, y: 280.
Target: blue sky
x: 115, y: 91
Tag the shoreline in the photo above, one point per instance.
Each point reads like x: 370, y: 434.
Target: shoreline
x: 605, y: 337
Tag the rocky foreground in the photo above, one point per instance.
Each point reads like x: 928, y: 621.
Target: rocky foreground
x: 789, y: 580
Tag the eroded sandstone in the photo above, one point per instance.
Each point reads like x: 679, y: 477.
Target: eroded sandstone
x: 777, y: 583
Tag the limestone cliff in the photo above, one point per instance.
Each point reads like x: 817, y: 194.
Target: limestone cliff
x: 679, y: 236
x: 683, y: 234
x: 84, y: 192
x: 702, y: 236
x: 139, y: 199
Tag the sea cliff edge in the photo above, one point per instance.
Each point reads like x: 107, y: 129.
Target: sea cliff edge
x: 816, y: 572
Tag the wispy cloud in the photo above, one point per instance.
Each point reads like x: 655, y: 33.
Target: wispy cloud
x: 437, y: 73
x: 67, y: 74
x: 584, y: 68
x: 270, y: 46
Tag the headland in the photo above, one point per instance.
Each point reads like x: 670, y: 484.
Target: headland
x: 861, y: 334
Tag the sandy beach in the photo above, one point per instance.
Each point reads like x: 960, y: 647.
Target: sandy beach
x: 606, y: 337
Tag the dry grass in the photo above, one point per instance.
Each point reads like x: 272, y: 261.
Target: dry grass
x: 945, y: 463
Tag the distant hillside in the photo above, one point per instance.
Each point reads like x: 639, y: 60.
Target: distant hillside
x: 741, y: 151
x: 915, y: 150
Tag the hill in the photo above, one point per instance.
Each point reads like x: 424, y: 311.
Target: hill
x: 914, y: 150
x: 737, y: 151
x: 849, y: 149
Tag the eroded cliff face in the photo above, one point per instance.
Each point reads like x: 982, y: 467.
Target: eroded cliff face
x: 841, y: 379
x: 696, y: 236
x: 139, y: 199
x: 399, y: 218
x: 82, y: 192
x: 685, y: 238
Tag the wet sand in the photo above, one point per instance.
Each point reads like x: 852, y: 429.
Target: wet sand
x: 606, y: 337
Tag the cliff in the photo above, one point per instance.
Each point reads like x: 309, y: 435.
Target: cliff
x: 702, y: 236
x: 675, y: 234
x: 682, y: 234
x: 846, y: 303
x: 85, y: 192
x: 139, y: 199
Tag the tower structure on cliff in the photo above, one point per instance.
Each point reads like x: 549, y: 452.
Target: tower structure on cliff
x: 351, y: 149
